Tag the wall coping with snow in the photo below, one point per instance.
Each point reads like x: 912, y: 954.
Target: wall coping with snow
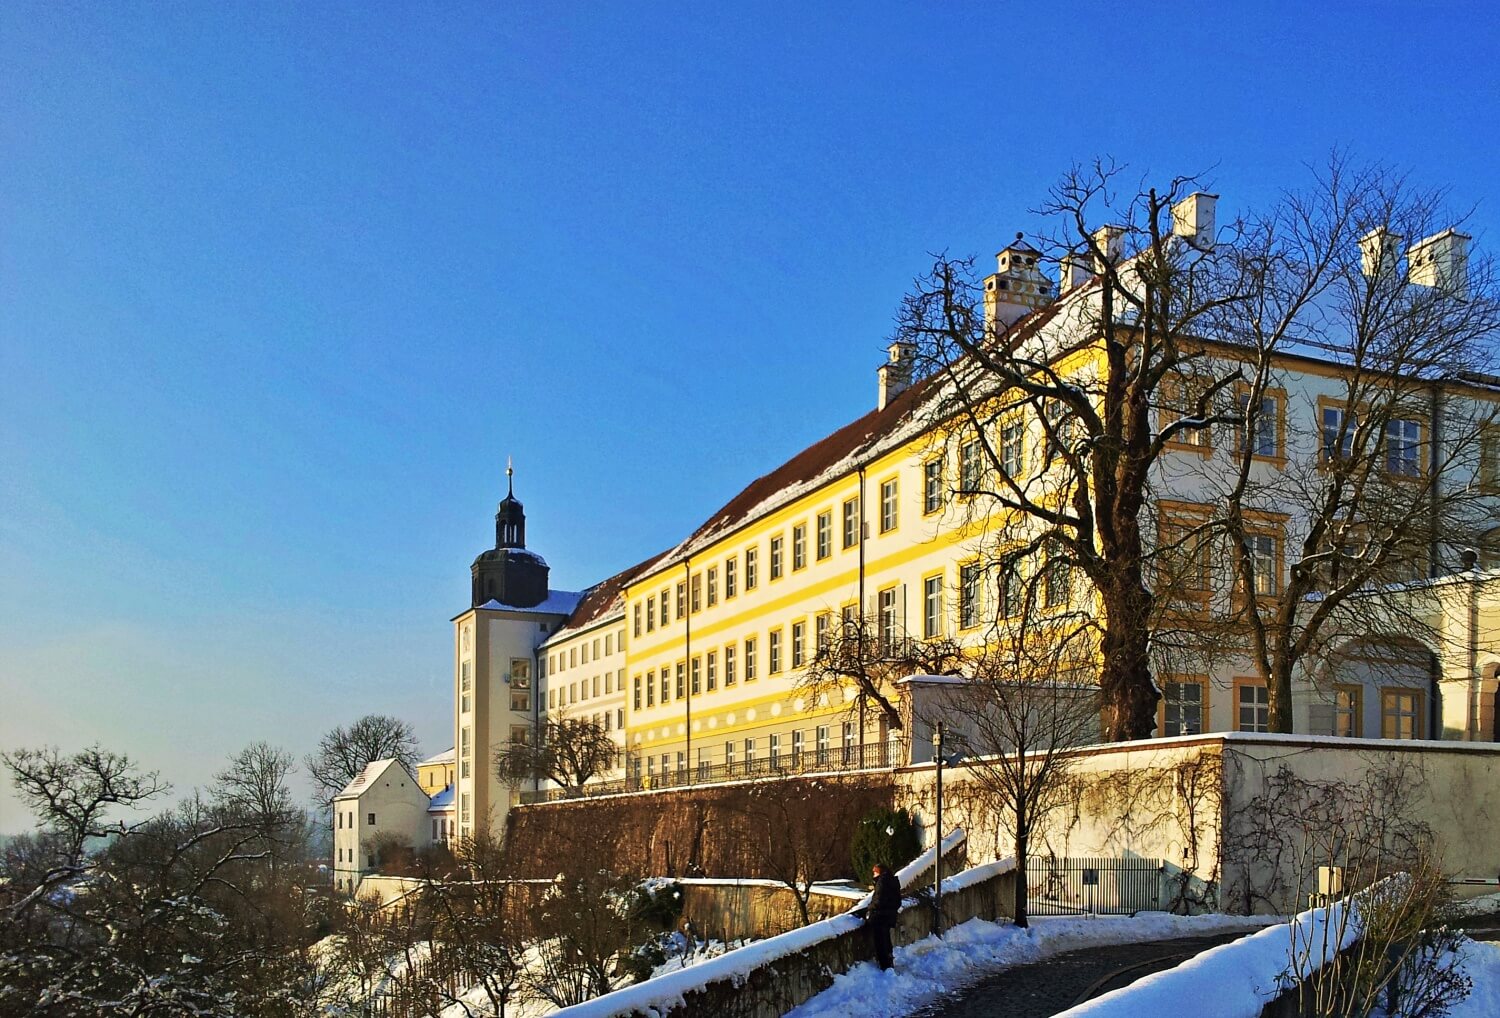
x: 789, y: 968
x: 1242, y: 979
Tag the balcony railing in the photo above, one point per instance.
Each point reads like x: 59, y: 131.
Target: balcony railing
x: 871, y: 756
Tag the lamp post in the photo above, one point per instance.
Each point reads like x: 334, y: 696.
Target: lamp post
x: 937, y: 859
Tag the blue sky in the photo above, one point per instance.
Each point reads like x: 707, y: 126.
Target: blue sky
x: 281, y: 286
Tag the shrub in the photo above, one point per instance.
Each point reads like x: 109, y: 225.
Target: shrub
x: 884, y: 836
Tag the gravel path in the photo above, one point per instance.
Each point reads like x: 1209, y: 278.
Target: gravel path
x: 1054, y: 985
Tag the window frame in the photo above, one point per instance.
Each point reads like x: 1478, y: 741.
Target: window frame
x: 1417, y: 715
x: 1180, y: 681
x: 1242, y: 683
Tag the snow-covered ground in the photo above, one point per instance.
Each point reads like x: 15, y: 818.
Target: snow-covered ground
x: 933, y: 967
x: 1481, y: 963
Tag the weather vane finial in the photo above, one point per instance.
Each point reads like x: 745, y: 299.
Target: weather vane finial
x: 510, y: 484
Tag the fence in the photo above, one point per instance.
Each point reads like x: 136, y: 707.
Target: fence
x: 1092, y: 886
x: 872, y: 756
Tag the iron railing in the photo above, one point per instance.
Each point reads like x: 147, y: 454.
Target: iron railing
x: 871, y: 756
x: 1092, y: 886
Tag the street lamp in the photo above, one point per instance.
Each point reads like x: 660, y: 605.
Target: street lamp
x: 937, y: 860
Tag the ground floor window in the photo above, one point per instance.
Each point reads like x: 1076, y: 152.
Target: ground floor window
x: 1253, y: 706
x: 1348, y: 706
x: 1400, y: 714
x: 1182, y: 707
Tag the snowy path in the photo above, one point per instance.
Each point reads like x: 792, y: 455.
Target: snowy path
x: 1045, y: 989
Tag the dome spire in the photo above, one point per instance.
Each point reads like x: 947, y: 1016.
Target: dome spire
x: 510, y: 472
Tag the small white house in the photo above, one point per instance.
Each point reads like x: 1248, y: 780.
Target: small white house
x: 384, y: 799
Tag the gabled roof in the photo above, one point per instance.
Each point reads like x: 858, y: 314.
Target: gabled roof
x: 372, y: 773
x: 442, y: 802
x: 602, y: 600
x: 445, y: 757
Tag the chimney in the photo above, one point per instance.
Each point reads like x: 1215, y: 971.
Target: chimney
x: 1193, y: 220
x: 895, y: 374
x: 1110, y: 240
x: 1378, y: 251
x: 1441, y: 261
x: 1073, y: 272
x: 1016, y: 288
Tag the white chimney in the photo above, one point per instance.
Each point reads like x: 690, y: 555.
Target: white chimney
x: 1017, y: 287
x: 1073, y: 272
x: 1111, y: 241
x: 1378, y: 252
x: 1193, y: 219
x: 895, y: 374
x: 1441, y: 261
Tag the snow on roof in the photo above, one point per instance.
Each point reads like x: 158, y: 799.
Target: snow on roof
x: 602, y: 601
x: 558, y: 602
x: 366, y: 777
x: 442, y: 802
x: 934, y: 680
x: 445, y: 757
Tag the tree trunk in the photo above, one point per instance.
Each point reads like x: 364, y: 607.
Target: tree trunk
x: 1279, y: 693
x: 1125, y: 672
x: 1018, y: 903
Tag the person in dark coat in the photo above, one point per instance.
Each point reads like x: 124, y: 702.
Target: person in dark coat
x: 885, y: 903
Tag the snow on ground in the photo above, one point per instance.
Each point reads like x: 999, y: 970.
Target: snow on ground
x: 933, y: 967
x: 1481, y: 963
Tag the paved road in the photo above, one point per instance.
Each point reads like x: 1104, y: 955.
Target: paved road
x: 1046, y: 988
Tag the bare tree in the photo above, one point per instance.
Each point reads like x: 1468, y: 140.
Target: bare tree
x: 571, y: 751
x: 1053, y: 416
x: 1339, y: 498
x: 344, y: 752
x: 1028, y: 699
x: 867, y: 653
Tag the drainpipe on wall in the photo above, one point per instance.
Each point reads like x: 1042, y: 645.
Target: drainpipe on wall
x: 1471, y: 565
x: 1434, y: 458
x: 860, y: 607
x: 687, y: 661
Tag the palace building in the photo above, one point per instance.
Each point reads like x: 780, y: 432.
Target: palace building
x: 691, y: 658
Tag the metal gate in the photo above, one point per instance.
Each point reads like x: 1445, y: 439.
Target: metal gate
x: 1084, y: 886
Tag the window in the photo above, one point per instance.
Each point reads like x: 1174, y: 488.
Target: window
x: 797, y: 740
x: 696, y: 671
x: 619, y: 717
x: 968, y: 595
x: 666, y: 684
x: 636, y: 694
x: 1012, y: 591
x: 1400, y: 714
x: 1262, y: 426
x: 1179, y: 401
x: 464, y: 685
x: 970, y: 467
x: 651, y: 689
x: 851, y: 522
x: 1489, y: 459
x: 889, y: 506
x: 1253, y: 706
x: 650, y: 620
x: 371, y: 820
x: 885, y: 603
x: 749, y: 659
x: 1403, y: 441
x: 850, y: 741
x: 932, y: 485
x: 799, y: 546
x: 1182, y: 707
x: 729, y: 755
x: 681, y: 598
x: 820, y: 736
x: 520, y: 734
x: 821, y: 625
x: 464, y: 752
x: 713, y: 670
x: 749, y: 755
x: 573, y: 651
x: 1348, y: 711
x: 681, y: 672
x: 773, y: 665
x: 1265, y: 562
x: 596, y: 685
x: 573, y: 692
x: 609, y: 641
x: 697, y: 592
x: 776, y: 543
x: 1183, y: 556
x: 636, y: 613
x: 464, y: 810
x: 666, y: 608
x: 932, y: 606
x: 731, y: 577
x: 775, y: 750
x: 799, y: 632
x: 750, y: 577
x: 1337, y: 428
x: 1013, y: 446
x: 729, y: 675
x: 1057, y: 579
x: 584, y: 653
x: 713, y: 585
x: 825, y: 535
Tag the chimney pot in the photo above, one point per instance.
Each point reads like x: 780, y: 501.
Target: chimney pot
x: 1378, y: 251
x: 1111, y: 241
x: 1193, y: 219
x: 1441, y: 261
